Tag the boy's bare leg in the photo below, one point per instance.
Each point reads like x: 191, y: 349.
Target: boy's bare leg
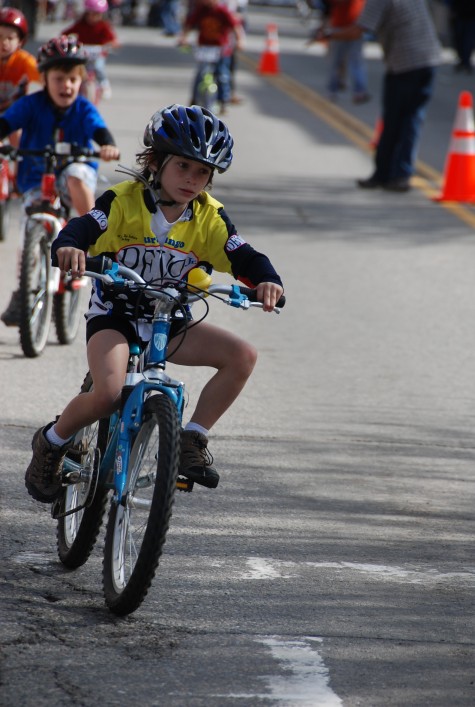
x: 81, y: 196
x: 107, y: 353
x: 233, y: 359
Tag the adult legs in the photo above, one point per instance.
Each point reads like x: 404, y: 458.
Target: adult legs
x: 337, y: 58
x: 357, y: 69
x: 415, y: 91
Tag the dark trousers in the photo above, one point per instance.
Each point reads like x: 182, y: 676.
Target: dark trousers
x: 405, y: 98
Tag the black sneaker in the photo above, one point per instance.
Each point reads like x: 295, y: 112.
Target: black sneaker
x: 370, y: 183
x: 43, y: 476
x: 398, y: 185
x: 11, y: 316
x: 196, y: 461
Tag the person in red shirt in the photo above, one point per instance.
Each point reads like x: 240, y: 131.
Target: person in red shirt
x: 98, y: 35
x: 17, y: 67
x: 215, y: 25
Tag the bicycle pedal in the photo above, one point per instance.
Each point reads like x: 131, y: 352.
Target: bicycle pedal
x: 184, y: 484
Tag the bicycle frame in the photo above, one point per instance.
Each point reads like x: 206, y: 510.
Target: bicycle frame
x: 205, y: 83
x: 145, y: 375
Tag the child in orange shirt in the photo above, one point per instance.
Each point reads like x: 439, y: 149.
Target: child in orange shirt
x: 17, y: 67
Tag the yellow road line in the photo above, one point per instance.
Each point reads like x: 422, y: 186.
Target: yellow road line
x: 428, y: 180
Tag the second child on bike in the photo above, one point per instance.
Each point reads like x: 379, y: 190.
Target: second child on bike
x: 57, y: 114
x: 162, y: 224
x: 215, y: 24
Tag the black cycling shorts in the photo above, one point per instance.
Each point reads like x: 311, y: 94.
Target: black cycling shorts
x: 126, y: 327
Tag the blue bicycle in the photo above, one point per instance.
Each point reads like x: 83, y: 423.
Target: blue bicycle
x: 133, y: 456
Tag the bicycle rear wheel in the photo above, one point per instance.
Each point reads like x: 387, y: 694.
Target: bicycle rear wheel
x: 136, y: 529
x: 77, y: 532
x: 36, y: 299
x: 67, y: 312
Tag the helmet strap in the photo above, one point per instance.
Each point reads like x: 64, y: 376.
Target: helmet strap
x: 153, y: 189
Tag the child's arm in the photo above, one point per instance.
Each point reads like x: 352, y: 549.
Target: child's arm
x: 107, y: 147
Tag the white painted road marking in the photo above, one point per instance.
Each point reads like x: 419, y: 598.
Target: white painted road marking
x: 308, y: 682
x: 267, y: 568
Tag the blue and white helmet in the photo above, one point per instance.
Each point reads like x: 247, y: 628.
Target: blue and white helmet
x: 193, y: 132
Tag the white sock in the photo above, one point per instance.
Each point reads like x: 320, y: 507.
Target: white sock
x: 54, y: 438
x: 194, y: 427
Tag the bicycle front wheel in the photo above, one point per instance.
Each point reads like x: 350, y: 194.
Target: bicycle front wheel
x: 137, y: 528
x: 36, y: 299
x: 67, y: 313
x: 77, y: 531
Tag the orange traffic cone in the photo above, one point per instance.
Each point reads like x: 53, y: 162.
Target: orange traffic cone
x: 460, y: 164
x: 269, y: 63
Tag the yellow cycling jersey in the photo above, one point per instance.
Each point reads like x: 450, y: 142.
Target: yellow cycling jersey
x: 126, y: 226
x: 201, y: 235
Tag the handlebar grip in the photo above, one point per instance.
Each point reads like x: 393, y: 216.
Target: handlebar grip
x: 252, y: 296
x: 99, y: 264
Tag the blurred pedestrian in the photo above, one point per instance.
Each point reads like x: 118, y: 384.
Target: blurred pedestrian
x: 165, y: 14
x: 411, y: 53
x: 462, y: 14
x: 345, y: 57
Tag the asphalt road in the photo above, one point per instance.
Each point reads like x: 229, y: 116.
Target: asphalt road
x: 334, y: 563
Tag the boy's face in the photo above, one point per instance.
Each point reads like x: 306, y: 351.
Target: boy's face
x: 9, y: 41
x: 63, y: 86
x: 183, y: 179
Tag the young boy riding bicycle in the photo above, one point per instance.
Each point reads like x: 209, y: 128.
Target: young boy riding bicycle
x: 57, y: 114
x: 162, y: 224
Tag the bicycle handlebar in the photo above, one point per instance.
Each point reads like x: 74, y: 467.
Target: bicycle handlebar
x: 111, y: 272
x: 59, y: 149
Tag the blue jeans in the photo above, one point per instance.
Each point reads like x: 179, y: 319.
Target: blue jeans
x: 347, y: 56
x: 405, y: 98
x: 169, y: 13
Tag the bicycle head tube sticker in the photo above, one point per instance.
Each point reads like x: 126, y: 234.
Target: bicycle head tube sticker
x: 100, y: 217
x: 160, y: 341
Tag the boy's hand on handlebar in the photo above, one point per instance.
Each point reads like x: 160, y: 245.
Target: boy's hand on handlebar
x: 109, y: 152
x: 71, y: 259
x: 268, y: 293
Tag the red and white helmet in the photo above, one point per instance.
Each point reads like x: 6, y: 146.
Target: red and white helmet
x: 61, y: 50
x: 11, y: 17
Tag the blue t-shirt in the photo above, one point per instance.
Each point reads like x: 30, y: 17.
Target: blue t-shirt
x: 42, y: 124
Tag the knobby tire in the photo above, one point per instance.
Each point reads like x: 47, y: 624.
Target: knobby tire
x: 67, y: 314
x: 77, y: 533
x: 36, y: 298
x: 135, y: 536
